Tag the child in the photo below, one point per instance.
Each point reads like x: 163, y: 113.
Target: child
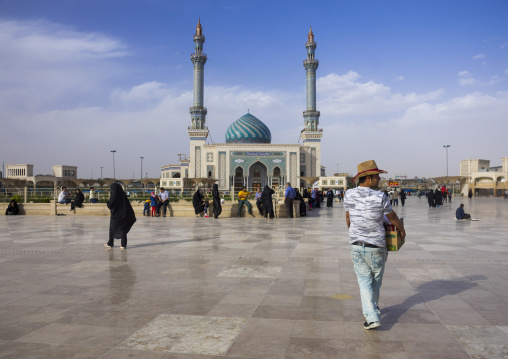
x: 206, y: 204
x: 146, y: 208
x: 153, y: 203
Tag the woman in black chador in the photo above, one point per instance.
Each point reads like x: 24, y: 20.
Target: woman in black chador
x: 430, y: 198
x: 303, y: 205
x: 329, y: 198
x: 78, y: 200
x: 122, y: 216
x: 12, y: 208
x: 197, y: 202
x: 266, y: 198
x: 217, y: 208
x: 438, y: 198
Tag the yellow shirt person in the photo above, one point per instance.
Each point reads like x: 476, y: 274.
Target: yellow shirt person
x: 243, y: 195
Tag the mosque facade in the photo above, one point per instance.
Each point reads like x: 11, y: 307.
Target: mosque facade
x: 247, y: 157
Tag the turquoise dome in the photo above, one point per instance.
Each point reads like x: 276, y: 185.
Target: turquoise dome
x: 248, y: 129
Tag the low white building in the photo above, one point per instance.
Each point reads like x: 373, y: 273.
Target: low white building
x: 484, y: 179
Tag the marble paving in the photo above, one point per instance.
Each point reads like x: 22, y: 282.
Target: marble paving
x: 253, y: 288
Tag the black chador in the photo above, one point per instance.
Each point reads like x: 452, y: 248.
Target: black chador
x: 122, y: 215
x: 197, y: 202
x: 430, y: 198
x: 266, y: 199
x: 438, y: 198
x: 329, y: 198
x: 217, y: 208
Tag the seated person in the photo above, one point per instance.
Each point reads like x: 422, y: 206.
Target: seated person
x: 460, y: 214
x: 93, y: 198
x: 12, y: 209
x: 64, y: 197
x: 78, y: 200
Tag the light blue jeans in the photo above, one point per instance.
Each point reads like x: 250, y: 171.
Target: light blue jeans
x: 369, y: 265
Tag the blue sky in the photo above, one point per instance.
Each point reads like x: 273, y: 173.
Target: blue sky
x: 397, y: 80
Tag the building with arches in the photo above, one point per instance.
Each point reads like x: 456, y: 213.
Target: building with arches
x: 483, y: 179
x: 247, y: 157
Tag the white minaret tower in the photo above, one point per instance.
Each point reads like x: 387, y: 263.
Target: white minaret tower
x: 311, y: 135
x: 198, y: 132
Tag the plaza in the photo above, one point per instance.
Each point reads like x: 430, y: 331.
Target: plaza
x: 253, y: 288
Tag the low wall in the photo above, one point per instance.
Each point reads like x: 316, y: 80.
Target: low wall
x: 175, y: 209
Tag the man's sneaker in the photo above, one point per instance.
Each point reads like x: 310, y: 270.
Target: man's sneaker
x: 371, y: 325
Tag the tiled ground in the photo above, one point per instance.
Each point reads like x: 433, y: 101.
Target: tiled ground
x: 252, y: 288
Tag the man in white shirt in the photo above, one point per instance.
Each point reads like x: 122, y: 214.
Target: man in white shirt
x: 64, y: 197
x: 365, y: 207
x: 163, y: 201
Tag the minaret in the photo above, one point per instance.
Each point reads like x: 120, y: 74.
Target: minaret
x: 198, y: 132
x: 311, y: 135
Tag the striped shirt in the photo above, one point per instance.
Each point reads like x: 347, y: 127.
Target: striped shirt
x: 366, y: 208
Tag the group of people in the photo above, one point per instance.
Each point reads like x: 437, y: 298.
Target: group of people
x: 65, y: 198
x: 201, y: 203
x: 264, y: 201
x: 438, y: 196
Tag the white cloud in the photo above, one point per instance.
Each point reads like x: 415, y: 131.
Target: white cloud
x: 346, y: 95
x: 399, y: 78
x: 465, y: 78
x: 479, y: 57
x: 464, y: 73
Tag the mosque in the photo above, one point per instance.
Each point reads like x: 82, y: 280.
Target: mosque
x: 248, y: 157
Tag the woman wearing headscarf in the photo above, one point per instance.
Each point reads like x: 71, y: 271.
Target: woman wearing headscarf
x: 430, y: 198
x: 438, y: 195
x: 303, y: 205
x: 122, y: 216
x: 266, y: 198
x: 217, y: 208
x: 12, y: 208
x: 329, y: 198
x: 78, y: 200
x: 197, y: 202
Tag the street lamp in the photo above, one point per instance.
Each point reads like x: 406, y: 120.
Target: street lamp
x: 446, y: 146
x: 114, y: 173
x: 141, y: 173
x: 101, y: 172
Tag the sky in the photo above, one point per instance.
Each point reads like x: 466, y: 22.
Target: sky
x: 397, y: 80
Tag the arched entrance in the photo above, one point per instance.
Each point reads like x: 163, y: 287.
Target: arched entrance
x: 238, y: 179
x: 276, y: 178
x: 257, y: 176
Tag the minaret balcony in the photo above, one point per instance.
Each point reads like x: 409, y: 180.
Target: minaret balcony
x: 311, y: 64
x: 198, y: 110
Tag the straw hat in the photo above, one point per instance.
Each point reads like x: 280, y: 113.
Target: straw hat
x: 367, y: 168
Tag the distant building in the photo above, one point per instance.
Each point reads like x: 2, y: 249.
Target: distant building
x: 25, y: 172
x: 483, y: 179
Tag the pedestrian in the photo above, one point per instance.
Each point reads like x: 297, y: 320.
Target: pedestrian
x: 197, y: 203
x: 303, y: 205
x: 259, y: 203
x: 438, y: 197
x: 122, y: 216
x: 430, y: 198
x: 506, y: 194
x: 395, y: 197
x: 313, y: 199
x: 289, y: 196
x: 365, y: 207
x: 266, y: 198
x: 470, y: 194
x: 153, y: 203
x: 146, y: 207
x: 402, y: 198
x: 217, y: 207
x: 329, y: 198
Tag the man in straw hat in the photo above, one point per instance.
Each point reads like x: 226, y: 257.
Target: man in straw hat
x: 365, y: 207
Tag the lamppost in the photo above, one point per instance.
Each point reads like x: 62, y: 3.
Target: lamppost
x: 114, y: 173
x: 446, y: 146
x: 141, y: 173
x: 101, y: 172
